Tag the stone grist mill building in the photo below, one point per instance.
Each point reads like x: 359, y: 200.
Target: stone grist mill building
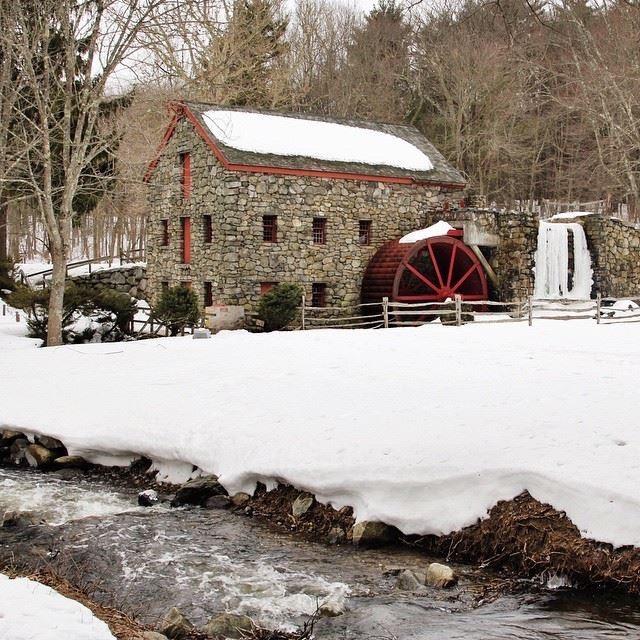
x: 241, y: 200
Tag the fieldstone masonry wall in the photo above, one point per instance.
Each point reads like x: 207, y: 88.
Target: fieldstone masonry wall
x: 615, y: 254
x: 130, y: 280
x: 237, y: 261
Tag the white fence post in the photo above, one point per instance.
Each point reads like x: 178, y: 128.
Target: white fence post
x: 530, y: 303
x: 458, y: 310
x: 304, y: 301
x: 385, y: 312
x: 598, y: 305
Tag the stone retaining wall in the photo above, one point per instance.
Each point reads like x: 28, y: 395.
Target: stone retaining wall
x: 131, y: 280
x: 615, y: 255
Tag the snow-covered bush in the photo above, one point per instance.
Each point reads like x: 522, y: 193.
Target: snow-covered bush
x: 88, y: 314
x: 178, y: 307
x: 278, y: 306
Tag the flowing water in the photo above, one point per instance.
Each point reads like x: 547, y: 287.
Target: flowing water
x: 206, y: 562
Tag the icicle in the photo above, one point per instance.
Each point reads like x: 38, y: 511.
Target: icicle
x: 552, y: 262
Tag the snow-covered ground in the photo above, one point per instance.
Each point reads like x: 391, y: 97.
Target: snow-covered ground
x: 32, y: 611
x: 424, y: 428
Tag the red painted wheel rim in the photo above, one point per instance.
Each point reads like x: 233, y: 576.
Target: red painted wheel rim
x: 438, y: 269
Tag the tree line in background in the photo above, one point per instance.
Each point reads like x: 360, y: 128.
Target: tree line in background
x: 530, y: 99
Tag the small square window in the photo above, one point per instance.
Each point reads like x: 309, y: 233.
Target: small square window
x: 208, y: 294
x: 207, y: 229
x: 186, y: 284
x: 164, y: 233
x: 319, y: 231
x: 164, y: 286
x: 318, y: 294
x: 364, y: 232
x: 265, y: 287
x: 270, y: 228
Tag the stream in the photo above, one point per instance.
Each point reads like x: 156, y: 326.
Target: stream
x: 209, y: 561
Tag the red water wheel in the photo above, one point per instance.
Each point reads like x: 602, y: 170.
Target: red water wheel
x: 431, y: 270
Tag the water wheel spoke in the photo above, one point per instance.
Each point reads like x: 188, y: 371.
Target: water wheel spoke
x: 451, y: 264
x: 435, y: 264
x: 421, y: 276
x: 460, y: 282
x: 420, y: 298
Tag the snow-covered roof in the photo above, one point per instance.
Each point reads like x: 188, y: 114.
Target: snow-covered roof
x: 288, y: 136
x: 320, y: 144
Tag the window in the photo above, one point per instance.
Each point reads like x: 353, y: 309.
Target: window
x: 364, y: 231
x: 270, y: 228
x: 318, y: 294
x: 185, y: 167
x: 164, y: 233
x: 186, y: 284
x: 185, y: 224
x: 207, y: 229
x: 164, y: 286
x: 208, y: 294
x: 319, y: 231
x: 265, y: 287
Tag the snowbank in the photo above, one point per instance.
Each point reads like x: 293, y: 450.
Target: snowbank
x: 32, y: 611
x: 440, y: 228
x: 422, y: 428
x: 283, y: 136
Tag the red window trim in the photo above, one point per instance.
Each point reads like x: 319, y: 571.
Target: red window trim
x: 319, y: 231
x: 364, y: 232
x: 265, y: 287
x: 270, y: 228
x: 318, y: 294
x: 186, y: 240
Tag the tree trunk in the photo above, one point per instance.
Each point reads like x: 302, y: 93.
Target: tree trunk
x: 4, y: 254
x: 56, y: 296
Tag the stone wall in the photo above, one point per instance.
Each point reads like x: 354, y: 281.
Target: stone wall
x: 615, y: 254
x: 238, y: 261
x: 131, y: 280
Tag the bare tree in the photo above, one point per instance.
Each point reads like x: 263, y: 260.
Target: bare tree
x: 67, y: 51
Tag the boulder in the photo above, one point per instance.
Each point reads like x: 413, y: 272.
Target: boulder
x: 331, y: 608
x: 38, y: 456
x: 175, y: 625
x: 153, y: 635
x: 217, y: 502
x: 49, y: 443
x: 370, y: 533
x: 19, y: 519
x: 17, y: 450
x: 336, y: 535
x: 70, y: 462
x: 302, y: 504
x: 148, y: 498
x: 440, y: 575
x: 408, y: 581
x: 240, y: 499
x: 230, y: 625
x: 9, y: 435
x: 197, y: 491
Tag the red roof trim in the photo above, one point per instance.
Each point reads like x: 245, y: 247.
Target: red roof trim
x: 182, y: 110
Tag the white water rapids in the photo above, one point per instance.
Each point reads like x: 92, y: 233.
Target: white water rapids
x: 552, y: 262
